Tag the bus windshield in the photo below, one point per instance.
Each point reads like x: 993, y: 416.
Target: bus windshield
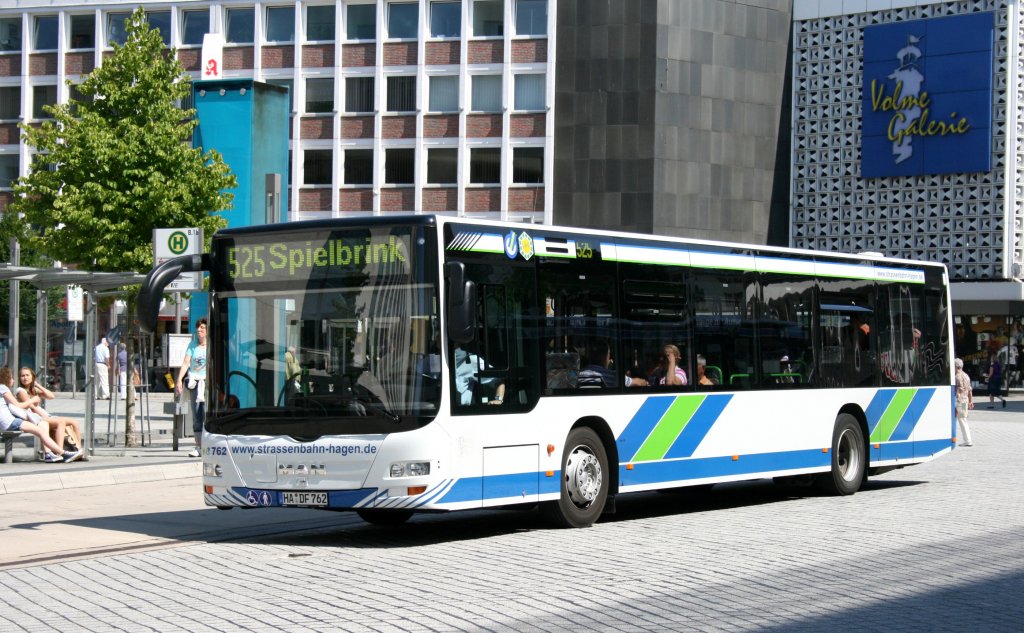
x: 323, y: 333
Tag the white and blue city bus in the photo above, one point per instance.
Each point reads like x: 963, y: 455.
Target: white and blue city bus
x: 446, y: 364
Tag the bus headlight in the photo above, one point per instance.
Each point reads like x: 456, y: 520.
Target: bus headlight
x: 212, y: 470
x: 410, y: 469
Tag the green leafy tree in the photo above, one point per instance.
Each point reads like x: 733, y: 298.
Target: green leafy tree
x: 115, y: 162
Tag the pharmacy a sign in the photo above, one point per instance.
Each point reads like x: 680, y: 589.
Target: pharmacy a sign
x: 171, y: 243
x: 927, y: 103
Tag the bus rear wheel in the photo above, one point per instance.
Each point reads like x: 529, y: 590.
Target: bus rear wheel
x: 377, y: 516
x: 584, y: 481
x: 849, y: 458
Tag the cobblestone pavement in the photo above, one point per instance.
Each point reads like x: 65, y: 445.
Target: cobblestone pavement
x: 937, y: 547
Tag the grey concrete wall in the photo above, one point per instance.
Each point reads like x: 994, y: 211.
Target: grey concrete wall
x: 668, y: 115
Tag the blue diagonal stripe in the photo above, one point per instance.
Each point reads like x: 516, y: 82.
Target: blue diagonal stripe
x: 877, y: 407
x: 650, y: 413
x: 912, y: 415
x: 701, y: 422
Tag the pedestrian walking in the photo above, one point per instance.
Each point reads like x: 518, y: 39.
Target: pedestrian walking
x: 964, y: 401
x: 995, y: 381
x: 194, y: 364
x: 101, y: 356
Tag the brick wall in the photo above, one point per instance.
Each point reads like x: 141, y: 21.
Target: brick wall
x: 355, y: 200
x: 189, y: 58
x: 483, y: 126
x: 80, y: 63
x: 441, y: 126
x: 488, y: 199
x: 485, y: 52
x: 398, y: 199
x: 358, y: 55
x: 321, y: 127
x: 440, y: 199
x: 318, y: 56
x: 314, y: 200
x: 527, y: 125
x: 439, y: 53
x: 398, y: 127
x: 400, y: 54
x: 239, y: 57
x: 9, y: 134
x: 357, y: 127
x: 278, y: 56
x: 529, y: 51
x: 6, y: 197
x: 42, y: 64
x: 10, y: 65
x: 526, y: 199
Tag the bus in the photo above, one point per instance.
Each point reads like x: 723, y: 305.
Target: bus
x: 442, y: 363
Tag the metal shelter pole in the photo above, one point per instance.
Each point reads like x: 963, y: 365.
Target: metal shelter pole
x: 42, y: 316
x: 90, y: 372
x: 13, y: 322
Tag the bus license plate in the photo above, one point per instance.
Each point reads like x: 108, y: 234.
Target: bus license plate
x: 304, y: 498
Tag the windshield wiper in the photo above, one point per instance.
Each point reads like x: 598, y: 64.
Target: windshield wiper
x: 363, y: 403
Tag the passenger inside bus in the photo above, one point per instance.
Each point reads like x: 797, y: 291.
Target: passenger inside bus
x: 707, y: 377
x: 670, y: 372
x: 598, y: 372
x: 469, y: 383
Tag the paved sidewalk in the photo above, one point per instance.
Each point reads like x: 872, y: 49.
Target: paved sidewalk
x: 110, y: 462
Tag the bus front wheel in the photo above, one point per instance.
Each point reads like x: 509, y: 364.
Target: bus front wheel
x: 849, y: 458
x: 584, y: 481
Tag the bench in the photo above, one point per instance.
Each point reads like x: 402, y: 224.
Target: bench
x: 8, y: 437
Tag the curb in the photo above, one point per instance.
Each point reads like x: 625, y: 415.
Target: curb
x: 103, y: 476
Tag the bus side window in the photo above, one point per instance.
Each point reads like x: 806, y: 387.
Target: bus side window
x: 784, y: 331
x: 655, y: 312
x: 724, y: 303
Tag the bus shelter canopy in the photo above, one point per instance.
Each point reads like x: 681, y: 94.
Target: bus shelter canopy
x: 44, y: 278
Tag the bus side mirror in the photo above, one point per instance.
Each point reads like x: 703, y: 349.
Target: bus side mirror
x: 461, y: 303
x: 151, y: 293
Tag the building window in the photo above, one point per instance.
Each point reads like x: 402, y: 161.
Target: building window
x: 485, y: 165
x: 280, y: 24
x: 442, y: 166
x: 399, y: 166
x: 194, y: 25
x: 43, y: 96
x: 359, y: 167
x: 320, y: 95
x: 317, y: 167
x: 402, y: 94
x: 529, y: 92
x: 116, y: 31
x: 161, y: 21
x: 76, y: 97
x: 445, y: 19
x: 10, y: 34
x: 8, y: 170
x: 240, y: 26
x: 320, y: 23
x: 359, y: 97
x: 290, y: 85
x: 83, y: 31
x: 10, y: 102
x: 528, y: 165
x: 403, y: 20
x: 362, y: 22
x: 486, y: 95
x: 444, y: 93
x: 531, y: 17
x: 45, y: 35
x: 488, y: 18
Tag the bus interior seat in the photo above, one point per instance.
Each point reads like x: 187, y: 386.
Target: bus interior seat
x: 714, y: 373
x: 740, y: 380
x: 562, y: 370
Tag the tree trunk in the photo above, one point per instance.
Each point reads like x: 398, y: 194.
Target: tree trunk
x: 129, y: 403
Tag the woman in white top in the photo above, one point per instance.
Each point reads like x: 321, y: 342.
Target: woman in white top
x: 32, y: 393
x: 16, y: 417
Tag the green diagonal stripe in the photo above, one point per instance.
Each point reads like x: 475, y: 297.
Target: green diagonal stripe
x: 668, y: 428
x: 893, y: 414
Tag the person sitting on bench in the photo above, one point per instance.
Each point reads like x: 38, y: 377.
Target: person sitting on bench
x: 15, y: 417
x: 32, y: 393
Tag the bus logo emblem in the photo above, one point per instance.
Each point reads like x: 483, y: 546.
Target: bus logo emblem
x: 511, y: 246
x: 526, y: 246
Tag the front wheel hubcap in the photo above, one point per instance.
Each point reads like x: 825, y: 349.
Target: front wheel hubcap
x: 583, y: 476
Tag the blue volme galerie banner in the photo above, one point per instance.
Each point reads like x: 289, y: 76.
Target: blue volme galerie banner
x: 927, y: 97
